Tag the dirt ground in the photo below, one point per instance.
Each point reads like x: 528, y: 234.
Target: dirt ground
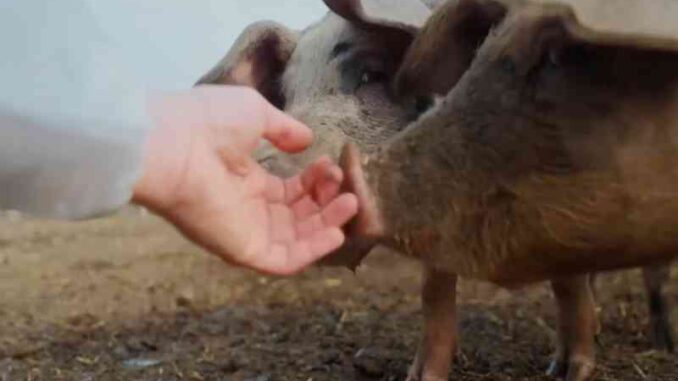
x: 125, y: 298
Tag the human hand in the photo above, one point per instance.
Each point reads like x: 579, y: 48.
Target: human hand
x: 199, y: 175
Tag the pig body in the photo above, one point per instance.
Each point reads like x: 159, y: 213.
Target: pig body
x: 554, y: 154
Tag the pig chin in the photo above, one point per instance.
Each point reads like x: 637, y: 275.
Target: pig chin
x: 347, y: 125
x: 346, y: 256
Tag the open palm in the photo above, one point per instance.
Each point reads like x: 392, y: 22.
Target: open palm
x: 225, y: 201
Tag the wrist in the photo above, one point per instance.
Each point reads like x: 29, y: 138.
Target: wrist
x: 166, y: 151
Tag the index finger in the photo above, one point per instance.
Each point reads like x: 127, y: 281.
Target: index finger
x: 285, y: 132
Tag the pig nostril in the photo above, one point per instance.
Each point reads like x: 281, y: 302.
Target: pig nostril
x: 423, y: 104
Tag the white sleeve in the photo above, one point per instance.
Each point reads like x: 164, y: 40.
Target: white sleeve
x: 72, y: 111
x: 65, y: 172
x: 74, y: 77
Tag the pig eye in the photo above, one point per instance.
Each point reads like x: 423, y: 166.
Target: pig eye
x: 372, y: 76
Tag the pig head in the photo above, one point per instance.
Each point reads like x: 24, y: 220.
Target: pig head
x: 334, y: 76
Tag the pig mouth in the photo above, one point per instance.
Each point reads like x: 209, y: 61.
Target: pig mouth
x: 366, y: 229
x: 368, y: 224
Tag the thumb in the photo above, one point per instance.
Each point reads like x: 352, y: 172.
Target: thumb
x: 285, y: 132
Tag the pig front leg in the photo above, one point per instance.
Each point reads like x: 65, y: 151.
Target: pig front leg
x: 661, y: 331
x: 574, y: 359
x: 439, y: 343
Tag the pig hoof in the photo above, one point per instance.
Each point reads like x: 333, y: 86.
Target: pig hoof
x: 579, y: 371
x: 415, y: 374
x: 661, y: 335
x: 425, y: 378
x: 557, y: 369
x: 570, y: 371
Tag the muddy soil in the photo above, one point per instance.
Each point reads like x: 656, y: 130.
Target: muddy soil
x: 125, y: 298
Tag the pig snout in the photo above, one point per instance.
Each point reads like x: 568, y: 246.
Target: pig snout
x: 364, y: 232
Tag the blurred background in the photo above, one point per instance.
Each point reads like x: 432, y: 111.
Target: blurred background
x: 126, y: 298
x: 188, y: 37
x: 132, y: 48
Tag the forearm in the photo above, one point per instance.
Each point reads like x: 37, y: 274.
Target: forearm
x: 72, y: 111
x: 71, y: 172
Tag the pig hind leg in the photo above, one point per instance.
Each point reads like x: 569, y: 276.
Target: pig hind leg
x: 574, y: 359
x: 661, y: 331
x: 593, y: 284
x: 439, y: 343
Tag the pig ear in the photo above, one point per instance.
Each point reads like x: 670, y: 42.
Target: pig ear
x: 404, y: 15
x: 446, y: 45
x: 548, y: 32
x: 257, y: 59
x: 394, y: 23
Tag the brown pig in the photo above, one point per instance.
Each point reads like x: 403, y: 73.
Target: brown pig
x: 553, y: 154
